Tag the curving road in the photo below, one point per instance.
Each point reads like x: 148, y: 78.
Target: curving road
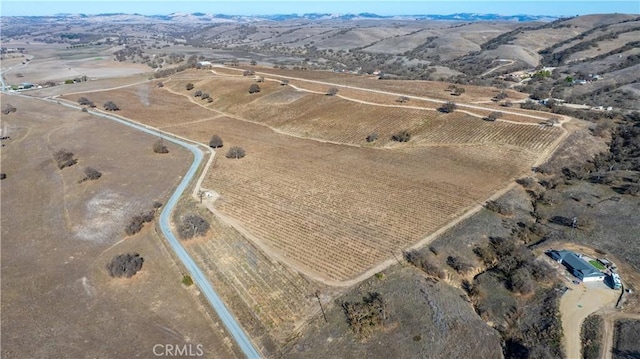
x: 229, y: 321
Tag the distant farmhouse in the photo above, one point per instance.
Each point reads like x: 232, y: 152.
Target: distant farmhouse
x: 580, y: 268
x: 203, y: 64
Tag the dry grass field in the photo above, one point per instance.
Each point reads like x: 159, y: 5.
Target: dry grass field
x: 336, y: 211
x: 58, y: 234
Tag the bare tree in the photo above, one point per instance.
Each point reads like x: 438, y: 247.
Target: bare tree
x: 193, y: 226
x: 160, y: 147
x: 83, y: 101
x: 235, y: 152
x: 64, y: 158
x: 215, y: 141
x: 8, y: 108
x: 332, y: 91
x: 111, y: 106
x: 125, y: 265
x: 91, y: 174
x: 254, y: 88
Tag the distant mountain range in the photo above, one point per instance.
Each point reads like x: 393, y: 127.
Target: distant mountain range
x: 199, y: 17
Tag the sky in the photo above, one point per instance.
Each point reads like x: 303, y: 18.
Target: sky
x: 380, y: 7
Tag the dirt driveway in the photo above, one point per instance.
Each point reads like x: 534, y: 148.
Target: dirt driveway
x: 576, y: 304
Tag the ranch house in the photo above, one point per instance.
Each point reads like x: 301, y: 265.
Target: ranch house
x: 580, y: 268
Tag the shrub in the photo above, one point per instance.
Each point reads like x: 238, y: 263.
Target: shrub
x: 402, y: 136
x: 210, y: 99
x: 493, y: 116
x: 198, y: 93
x: 160, y: 147
x: 215, y: 141
x: 235, y: 152
x: 248, y: 73
x: 332, y: 91
x: 160, y: 84
x: 205, y: 96
x: 64, y: 159
x: 3, y: 176
x: 8, y: 108
x: 457, y: 91
x: 425, y: 262
x: 193, y: 226
x: 111, y: 106
x: 84, y: 109
x: 125, y: 265
x: 447, y: 107
x: 372, y: 137
x: 186, y: 280
x: 254, y: 88
x: 284, y: 82
x: 402, y: 99
x: 189, y: 86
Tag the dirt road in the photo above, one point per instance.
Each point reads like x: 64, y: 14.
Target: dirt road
x: 576, y: 304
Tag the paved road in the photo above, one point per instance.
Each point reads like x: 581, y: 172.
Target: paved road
x: 232, y: 325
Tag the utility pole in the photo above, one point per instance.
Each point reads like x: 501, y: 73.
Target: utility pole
x: 317, y: 294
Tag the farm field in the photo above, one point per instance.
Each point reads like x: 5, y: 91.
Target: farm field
x: 332, y: 211
x: 58, y: 235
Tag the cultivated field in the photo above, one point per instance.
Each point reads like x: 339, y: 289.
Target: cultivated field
x: 58, y: 235
x: 336, y: 211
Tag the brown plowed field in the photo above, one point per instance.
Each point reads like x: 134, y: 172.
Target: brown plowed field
x: 336, y: 211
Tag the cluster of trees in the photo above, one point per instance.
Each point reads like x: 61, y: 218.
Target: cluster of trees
x: 64, y: 158
x: 125, y: 265
x: 366, y: 316
x: 514, y: 263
